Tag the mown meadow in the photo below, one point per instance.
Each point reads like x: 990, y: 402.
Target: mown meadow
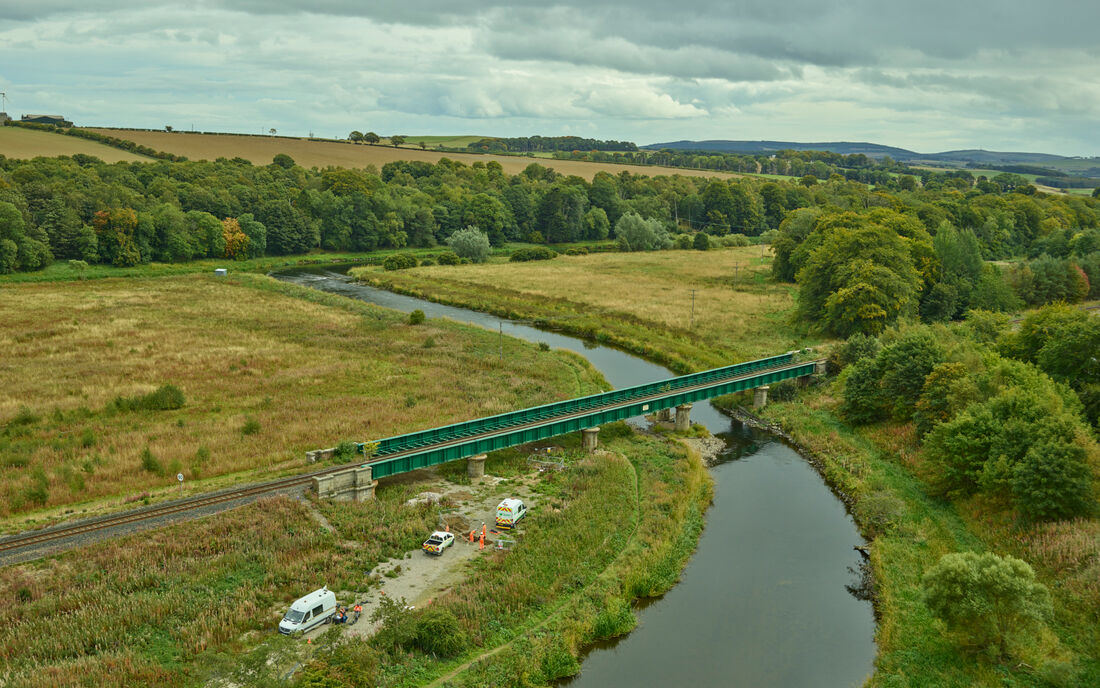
x: 642, y: 301
x: 264, y: 371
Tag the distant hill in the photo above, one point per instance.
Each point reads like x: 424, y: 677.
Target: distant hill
x: 874, y: 150
x: 843, y: 147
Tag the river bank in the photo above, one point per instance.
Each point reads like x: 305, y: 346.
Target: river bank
x: 770, y: 587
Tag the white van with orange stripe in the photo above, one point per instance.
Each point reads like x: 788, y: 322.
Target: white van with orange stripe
x: 509, y: 512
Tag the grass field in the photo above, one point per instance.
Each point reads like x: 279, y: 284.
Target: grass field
x: 268, y: 370
x: 445, y: 141
x: 640, y: 301
x: 20, y: 143
x: 261, y: 149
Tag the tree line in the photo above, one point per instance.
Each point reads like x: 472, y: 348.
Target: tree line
x: 544, y: 144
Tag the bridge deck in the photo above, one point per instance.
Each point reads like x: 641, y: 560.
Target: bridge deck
x: 437, y: 445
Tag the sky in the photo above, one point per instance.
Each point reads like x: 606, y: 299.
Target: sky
x: 929, y: 76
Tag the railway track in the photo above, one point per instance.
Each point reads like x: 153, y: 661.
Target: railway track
x: 38, y: 538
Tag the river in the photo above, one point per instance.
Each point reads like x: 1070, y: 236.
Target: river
x: 764, y: 600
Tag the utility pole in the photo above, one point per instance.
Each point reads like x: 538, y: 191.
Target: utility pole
x: 692, y: 310
x: 3, y: 102
x: 500, y: 325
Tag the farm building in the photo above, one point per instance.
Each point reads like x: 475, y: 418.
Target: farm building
x: 47, y: 119
x: 4, y: 119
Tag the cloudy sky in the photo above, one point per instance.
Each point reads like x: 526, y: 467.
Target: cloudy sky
x: 927, y: 75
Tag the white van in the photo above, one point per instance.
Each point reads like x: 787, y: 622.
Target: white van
x: 309, y: 611
x: 509, y: 512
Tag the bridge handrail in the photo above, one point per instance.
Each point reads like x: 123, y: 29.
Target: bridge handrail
x: 398, y: 443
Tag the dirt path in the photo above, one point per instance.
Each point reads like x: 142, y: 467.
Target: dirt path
x: 417, y: 577
x: 442, y: 680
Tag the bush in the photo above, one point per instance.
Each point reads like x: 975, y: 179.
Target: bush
x: 683, y: 242
x: 416, y: 317
x: 986, y: 599
x: 251, y: 426
x: 448, y: 258
x: 165, y: 398
x: 904, y: 365
x: 399, y: 261
x: 150, y: 463
x: 735, y: 240
x: 700, y: 242
x: 863, y: 400
x: 1053, y: 482
x: 537, y: 253
x: 344, y: 452
x: 470, y: 243
x: 426, y: 262
x: 858, y: 346
x: 438, y: 633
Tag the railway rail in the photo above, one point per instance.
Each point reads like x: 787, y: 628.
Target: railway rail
x: 38, y: 538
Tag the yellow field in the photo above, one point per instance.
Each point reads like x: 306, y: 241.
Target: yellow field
x: 19, y: 143
x: 261, y: 149
x: 639, y: 300
x: 307, y: 369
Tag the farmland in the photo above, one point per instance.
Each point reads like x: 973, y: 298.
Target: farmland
x: 641, y: 301
x: 267, y: 370
x: 17, y: 142
x: 311, y: 153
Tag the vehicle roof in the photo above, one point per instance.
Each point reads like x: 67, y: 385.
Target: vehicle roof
x: 313, y: 597
x: 511, y: 501
x: 440, y: 534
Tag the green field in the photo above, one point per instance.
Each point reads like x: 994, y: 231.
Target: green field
x: 445, y: 141
x: 640, y: 301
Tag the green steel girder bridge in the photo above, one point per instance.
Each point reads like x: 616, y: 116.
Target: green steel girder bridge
x: 415, y: 450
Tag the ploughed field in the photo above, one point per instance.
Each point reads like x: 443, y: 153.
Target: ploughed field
x: 642, y: 301
x: 311, y: 153
x: 267, y: 371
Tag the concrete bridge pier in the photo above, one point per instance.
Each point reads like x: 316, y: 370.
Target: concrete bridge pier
x: 819, y: 368
x: 683, y: 417
x: 475, y: 466
x: 590, y: 439
x: 351, y: 485
x: 760, y: 397
x: 665, y: 415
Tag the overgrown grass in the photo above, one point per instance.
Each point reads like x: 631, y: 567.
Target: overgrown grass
x: 163, y: 607
x: 642, y: 302
x: 912, y: 530
x: 268, y: 370
x: 617, y: 527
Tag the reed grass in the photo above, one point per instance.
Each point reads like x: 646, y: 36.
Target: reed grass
x: 267, y: 370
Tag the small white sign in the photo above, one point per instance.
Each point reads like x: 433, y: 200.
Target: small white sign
x: 179, y: 477
x: 645, y: 407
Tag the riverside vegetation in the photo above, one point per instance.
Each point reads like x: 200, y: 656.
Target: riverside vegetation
x: 111, y: 387
x: 194, y: 603
x: 971, y: 438
x: 917, y: 499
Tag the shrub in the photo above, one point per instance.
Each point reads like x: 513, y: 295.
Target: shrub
x: 251, y: 426
x: 683, y: 242
x: 438, y: 633
x: 904, y: 365
x: 700, y: 242
x: 1052, y: 482
x: 537, y: 253
x: 165, y: 398
x: 150, y: 463
x: 858, y: 346
x: 416, y: 317
x: 984, y: 598
x: 427, y: 261
x: 345, y: 451
x: 399, y: 261
x: 735, y: 240
x: 470, y: 243
x: 543, y: 346
x: 863, y: 399
x: 448, y: 258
